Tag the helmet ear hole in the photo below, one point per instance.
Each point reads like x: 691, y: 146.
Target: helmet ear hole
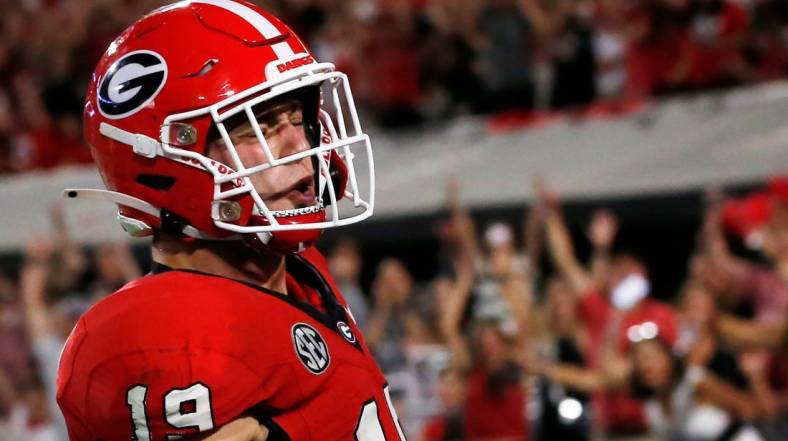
x: 310, y: 106
x: 156, y: 182
x: 172, y: 223
x: 339, y: 174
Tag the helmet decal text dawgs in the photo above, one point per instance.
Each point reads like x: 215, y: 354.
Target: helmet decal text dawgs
x: 131, y: 83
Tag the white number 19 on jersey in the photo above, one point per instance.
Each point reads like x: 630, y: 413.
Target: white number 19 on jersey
x: 200, y: 417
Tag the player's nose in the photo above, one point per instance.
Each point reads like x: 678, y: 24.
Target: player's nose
x: 293, y: 139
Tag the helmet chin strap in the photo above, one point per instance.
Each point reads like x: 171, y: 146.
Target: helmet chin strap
x: 136, y: 227
x: 264, y: 237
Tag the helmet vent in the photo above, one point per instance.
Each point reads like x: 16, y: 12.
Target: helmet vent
x: 204, y: 70
x: 156, y: 182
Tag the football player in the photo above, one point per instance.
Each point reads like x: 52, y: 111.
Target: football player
x: 217, y: 133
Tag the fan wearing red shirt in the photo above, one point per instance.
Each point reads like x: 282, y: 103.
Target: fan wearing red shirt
x: 217, y: 133
x: 612, y: 296
x: 608, y: 320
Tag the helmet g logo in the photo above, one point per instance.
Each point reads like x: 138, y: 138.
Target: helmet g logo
x: 310, y: 348
x: 131, y: 83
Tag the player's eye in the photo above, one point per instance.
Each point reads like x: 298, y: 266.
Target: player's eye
x: 296, y: 118
x: 248, y: 133
x: 267, y: 129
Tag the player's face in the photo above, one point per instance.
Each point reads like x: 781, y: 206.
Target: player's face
x: 282, y: 187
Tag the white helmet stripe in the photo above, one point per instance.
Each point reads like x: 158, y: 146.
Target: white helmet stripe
x: 265, y: 27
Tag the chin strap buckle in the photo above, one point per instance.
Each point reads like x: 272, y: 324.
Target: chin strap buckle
x: 141, y: 144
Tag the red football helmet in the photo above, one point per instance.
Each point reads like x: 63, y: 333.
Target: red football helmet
x: 169, y: 85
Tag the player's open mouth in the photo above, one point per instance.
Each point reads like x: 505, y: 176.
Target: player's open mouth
x: 300, y: 194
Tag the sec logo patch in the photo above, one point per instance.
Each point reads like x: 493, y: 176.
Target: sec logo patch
x: 310, y: 348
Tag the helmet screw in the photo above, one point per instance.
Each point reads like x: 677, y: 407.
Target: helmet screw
x: 185, y: 134
x: 227, y: 211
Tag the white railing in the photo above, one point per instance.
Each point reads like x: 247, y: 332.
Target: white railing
x: 682, y: 143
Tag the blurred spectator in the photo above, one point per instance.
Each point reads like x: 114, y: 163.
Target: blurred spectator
x: 500, y: 265
x: 764, y: 287
x: 688, y: 402
x: 47, y: 329
x: 415, y: 61
x: 739, y: 285
x: 50, y: 285
x: 401, y: 335
x: 613, y: 296
x: 506, y: 55
x: 114, y: 267
x: 565, y: 411
x: 386, y: 331
x: 693, y: 387
x: 30, y: 417
x: 15, y: 357
x: 495, y: 401
x: 450, y: 79
x: 392, y: 68
x: 765, y: 45
x: 490, y: 358
x: 345, y: 265
x: 709, y: 54
x: 572, y: 51
x: 448, y: 424
x: 611, y: 43
x: 705, y: 392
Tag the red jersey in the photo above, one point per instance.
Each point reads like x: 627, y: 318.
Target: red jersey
x: 499, y: 416
x: 178, y: 353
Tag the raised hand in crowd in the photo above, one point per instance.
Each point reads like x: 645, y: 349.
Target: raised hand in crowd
x: 601, y: 232
x: 762, y: 286
x: 71, y: 262
x: 462, y: 226
x: 451, y: 300
x: 115, y: 266
x: 33, y: 281
x: 559, y: 242
x: 391, y: 289
x: 380, y: 314
x: 755, y: 365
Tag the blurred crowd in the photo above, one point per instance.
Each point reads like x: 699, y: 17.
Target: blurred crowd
x: 517, y: 339
x: 40, y: 302
x: 514, y: 337
x: 414, y: 61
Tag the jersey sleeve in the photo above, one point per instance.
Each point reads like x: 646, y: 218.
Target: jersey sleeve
x: 148, y: 366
